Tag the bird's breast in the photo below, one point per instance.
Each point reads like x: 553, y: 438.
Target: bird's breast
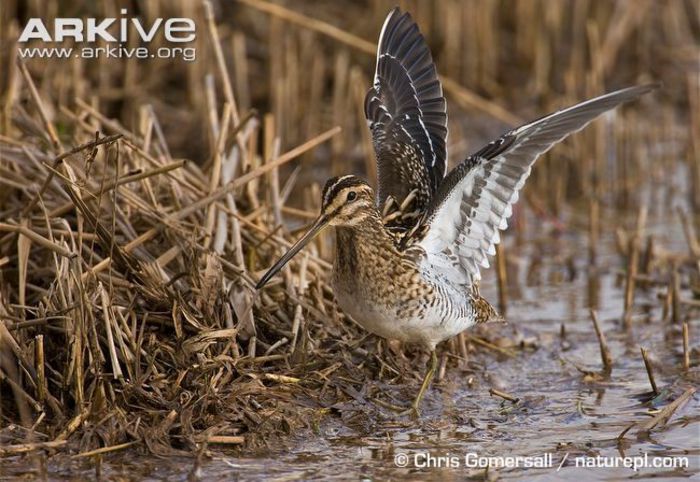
x: 387, y: 294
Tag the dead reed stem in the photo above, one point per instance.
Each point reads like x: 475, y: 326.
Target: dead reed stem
x: 506, y: 396
x: 686, y: 345
x: 40, y: 370
x: 594, y: 229
x: 689, y: 231
x: 37, y: 238
x: 105, y: 450
x: 605, y: 354
x: 650, y: 371
x: 50, y: 129
x: 633, y: 265
x: 18, y: 449
x: 57, y: 160
x: 665, y: 415
x: 313, y: 24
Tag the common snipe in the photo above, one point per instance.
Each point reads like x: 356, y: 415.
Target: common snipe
x: 413, y: 277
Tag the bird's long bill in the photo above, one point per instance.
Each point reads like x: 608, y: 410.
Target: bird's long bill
x: 320, y: 223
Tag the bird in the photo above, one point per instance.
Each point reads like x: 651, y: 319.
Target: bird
x: 408, y: 256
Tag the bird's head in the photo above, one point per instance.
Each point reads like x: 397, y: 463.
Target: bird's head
x: 346, y: 201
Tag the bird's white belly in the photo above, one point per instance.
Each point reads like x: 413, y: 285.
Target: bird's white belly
x: 427, y: 325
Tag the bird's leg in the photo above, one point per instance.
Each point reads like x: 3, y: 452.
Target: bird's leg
x: 432, y: 368
x: 430, y: 373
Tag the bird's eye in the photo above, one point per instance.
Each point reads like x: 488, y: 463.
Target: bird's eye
x: 352, y: 195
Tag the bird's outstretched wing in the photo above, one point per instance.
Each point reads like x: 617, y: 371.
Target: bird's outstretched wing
x: 407, y: 114
x: 475, y: 200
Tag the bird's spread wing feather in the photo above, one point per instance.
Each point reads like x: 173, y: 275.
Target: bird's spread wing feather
x: 406, y: 112
x: 475, y: 200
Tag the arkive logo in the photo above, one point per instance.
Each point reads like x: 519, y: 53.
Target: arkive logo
x: 117, y: 33
x: 89, y: 30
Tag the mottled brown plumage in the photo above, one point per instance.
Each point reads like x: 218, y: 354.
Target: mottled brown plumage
x: 377, y: 276
x: 408, y: 261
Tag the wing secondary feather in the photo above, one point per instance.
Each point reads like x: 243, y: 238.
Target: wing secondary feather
x: 475, y: 200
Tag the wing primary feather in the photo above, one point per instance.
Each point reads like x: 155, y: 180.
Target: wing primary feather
x: 407, y: 114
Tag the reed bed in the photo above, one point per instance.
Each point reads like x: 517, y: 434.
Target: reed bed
x: 141, y: 201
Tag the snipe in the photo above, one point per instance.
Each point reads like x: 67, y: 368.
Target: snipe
x: 413, y: 278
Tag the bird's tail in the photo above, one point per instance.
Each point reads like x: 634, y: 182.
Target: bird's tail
x: 485, y: 312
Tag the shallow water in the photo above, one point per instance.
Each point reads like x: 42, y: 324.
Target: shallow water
x: 560, y: 412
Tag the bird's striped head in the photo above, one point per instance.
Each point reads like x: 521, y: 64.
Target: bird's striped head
x: 346, y: 201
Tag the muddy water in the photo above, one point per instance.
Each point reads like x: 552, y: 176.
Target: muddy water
x: 562, y: 416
